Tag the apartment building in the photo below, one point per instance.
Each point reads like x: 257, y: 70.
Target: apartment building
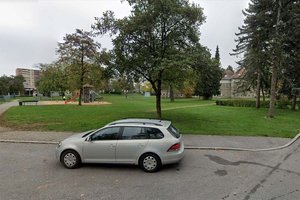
x: 31, y: 77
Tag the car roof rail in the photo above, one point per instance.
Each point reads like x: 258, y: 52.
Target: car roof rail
x: 133, y: 122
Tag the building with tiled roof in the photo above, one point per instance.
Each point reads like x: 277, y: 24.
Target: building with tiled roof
x: 231, y: 86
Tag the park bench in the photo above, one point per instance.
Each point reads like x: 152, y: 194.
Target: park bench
x: 24, y: 102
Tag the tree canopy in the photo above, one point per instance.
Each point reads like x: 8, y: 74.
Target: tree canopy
x: 269, y: 41
x: 11, y: 85
x: 78, y: 55
x: 153, y: 39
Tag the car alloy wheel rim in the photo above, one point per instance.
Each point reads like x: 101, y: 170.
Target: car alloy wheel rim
x: 149, y: 163
x: 70, y: 159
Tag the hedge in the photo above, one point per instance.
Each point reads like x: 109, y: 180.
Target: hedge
x: 281, y: 104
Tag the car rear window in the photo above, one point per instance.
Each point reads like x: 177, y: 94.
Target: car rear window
x: 153, y: 133
x: 174, y: 131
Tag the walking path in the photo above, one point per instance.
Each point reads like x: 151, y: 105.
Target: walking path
x: 5, y: 106
x: 193, y: 106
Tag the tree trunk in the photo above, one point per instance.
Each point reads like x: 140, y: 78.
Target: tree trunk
x: 81, y: 89
x: 294, y: 101
x: 80, y: 96
x: 158, y: 99
x: 81, y: 76
x: 263, y: 93
x: 276, y: 64
x: 207, y: 96
x: 258, y: 90
x: 271, y: 112
x: 172, y: 98
x: 157, y: 90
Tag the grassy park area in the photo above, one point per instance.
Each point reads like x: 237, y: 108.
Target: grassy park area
x: 191, y: 116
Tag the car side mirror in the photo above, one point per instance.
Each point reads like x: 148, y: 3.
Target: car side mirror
x: 88, y: 139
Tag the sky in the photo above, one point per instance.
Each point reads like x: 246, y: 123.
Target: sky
x: 31, y: 29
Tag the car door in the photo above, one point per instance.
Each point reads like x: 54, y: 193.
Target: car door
x: 101, y: 146
x: 131, y: 144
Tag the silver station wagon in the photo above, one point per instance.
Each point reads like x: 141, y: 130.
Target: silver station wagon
x: 148, y: 143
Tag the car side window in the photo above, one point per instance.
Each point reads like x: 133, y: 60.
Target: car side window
x: 133, y: 133
x: 154, y: 133
x: 106, y: 134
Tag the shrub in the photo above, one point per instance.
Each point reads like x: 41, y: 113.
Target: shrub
x: 282, y: 104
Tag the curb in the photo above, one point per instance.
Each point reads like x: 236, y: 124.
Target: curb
x: 243, y: 149
x: 186, y: 147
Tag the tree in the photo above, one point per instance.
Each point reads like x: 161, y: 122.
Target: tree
x: 263, y: 41
x: 11, y: 84
x: 290, y: 74
x: 285, y: 12
x: 152, y: 38
x: 176, y: 77
x: 208, y: 73
x: 53, y: 78
x: 217, y: 54
x: 230, y: 68
x: 17, y: 84
x: 4, y: 85
x: 122, y: 84
x: 78, y: 53
x: 254, y: 43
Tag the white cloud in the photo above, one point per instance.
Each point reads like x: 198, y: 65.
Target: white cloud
x: 18, y: 15
x: 30, y: 29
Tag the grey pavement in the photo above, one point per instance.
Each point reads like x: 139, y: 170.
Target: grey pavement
x: 30, y: 171
x: 5, y: 106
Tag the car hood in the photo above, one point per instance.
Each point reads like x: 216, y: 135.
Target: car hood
x: 79, y: 135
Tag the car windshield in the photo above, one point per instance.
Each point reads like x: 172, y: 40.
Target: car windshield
x: 174, y: 131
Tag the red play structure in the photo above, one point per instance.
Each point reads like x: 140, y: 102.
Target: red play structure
x: 72, y: 99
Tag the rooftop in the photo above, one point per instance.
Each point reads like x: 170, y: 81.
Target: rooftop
x: 228, y: 74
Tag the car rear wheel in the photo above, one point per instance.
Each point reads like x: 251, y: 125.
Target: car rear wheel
x: 150, y: 162
x: 70, y: 159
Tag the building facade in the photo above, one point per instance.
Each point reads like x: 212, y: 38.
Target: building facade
x: 232, y: 87
x: 31, y: 77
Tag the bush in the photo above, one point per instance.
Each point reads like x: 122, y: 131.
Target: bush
x: 282, y: 104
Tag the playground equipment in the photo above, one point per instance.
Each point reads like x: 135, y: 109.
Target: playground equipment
x: 88, y: 95
x: 72, y: 99
x: 96, y: 96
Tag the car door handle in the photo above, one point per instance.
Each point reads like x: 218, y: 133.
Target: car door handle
x: 112, y: 146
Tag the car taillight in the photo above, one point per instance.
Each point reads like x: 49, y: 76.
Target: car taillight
x: 174, y: 147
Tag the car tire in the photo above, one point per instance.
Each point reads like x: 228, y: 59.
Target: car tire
x: 150, y: 162
x: 70, y: 159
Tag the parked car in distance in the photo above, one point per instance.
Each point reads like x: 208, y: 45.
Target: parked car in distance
x: 148, y: 143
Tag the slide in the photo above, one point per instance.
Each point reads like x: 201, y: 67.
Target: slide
x: 72, y: 99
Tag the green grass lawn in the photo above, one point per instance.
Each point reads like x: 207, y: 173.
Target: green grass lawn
x: 191, y: 116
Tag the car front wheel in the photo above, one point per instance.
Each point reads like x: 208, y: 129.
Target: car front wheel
x: 150, y: 162
x: 70, y: 159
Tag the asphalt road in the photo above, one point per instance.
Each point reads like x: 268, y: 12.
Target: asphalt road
x: 30, y: 171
